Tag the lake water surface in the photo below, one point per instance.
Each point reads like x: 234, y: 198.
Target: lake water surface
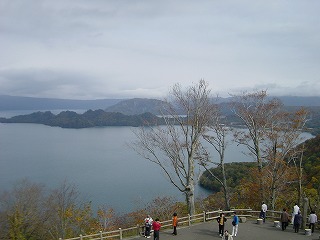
x: 97, y: 160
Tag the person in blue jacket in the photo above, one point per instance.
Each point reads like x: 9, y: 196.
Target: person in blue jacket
x: 235, y: 224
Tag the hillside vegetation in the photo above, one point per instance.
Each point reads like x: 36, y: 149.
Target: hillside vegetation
x: 241, y: 179
x: 235, y: 171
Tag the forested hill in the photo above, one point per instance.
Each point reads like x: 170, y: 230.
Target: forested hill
x: 96, y: 118
x: 239, y: 170
x: 311, y: 161
x: 236, y: 171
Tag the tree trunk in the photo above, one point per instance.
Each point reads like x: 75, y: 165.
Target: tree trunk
x: 260, y: 166
x: 190, y: 200
x: 225, y: 187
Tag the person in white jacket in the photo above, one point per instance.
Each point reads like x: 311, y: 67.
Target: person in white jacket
x: 263, y: 212
x: 148, y: 223
x: 312, y: 220
x: 295, y: 211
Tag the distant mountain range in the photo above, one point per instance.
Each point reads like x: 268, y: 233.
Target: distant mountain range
x: 137, y: 106
x: 122, y: 112
x: 30, y: 103
x: 125, y: 106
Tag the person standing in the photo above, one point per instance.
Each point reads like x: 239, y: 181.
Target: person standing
x: 156, y: 225
x: 297, y: 222
x: 148, y: 223
x: 235, y: 224
x: 221, y: 220
x: 312, y: 220
x: 284, y: 219
x: 175, y: 223
x: 294, y: 212
x: 263, y: 212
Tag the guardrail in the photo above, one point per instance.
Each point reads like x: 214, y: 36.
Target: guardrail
x: 183, y: 221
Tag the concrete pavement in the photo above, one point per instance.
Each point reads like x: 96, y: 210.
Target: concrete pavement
x: 249, y: 230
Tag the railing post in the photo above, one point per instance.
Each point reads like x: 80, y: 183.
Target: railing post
x: 120, y: 233
x: 101, y: 235
x: 189, y: 217
x: 81, y: 237
x: 60, y: 238
x: 138, y: 229
x: 204, y: 216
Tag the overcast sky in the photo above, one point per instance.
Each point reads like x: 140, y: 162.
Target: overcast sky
x: 92, y: 49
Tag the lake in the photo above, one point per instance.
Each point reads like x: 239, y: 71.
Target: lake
x: 97, y: 160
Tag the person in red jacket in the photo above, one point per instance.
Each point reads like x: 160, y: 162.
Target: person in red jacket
x: 156, y: 225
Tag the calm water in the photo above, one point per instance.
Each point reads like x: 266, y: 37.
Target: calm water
x: 96, y: 160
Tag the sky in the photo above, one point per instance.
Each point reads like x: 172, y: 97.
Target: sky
x: 97, y: 49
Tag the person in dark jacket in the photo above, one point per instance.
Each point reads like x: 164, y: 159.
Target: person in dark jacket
x: 297, y: 221
x: 221, y: 220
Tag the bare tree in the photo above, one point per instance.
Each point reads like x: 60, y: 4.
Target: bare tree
x: 68, y: 214
x: 255, y: 111
x: 23, y: 212
x: 173, y: 146
x: 216, y: 137
x: 106, y: 216
x: 281, y: 140
x: 297, y: 161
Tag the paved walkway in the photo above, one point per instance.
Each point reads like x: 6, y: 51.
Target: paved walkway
x: 247, y: 231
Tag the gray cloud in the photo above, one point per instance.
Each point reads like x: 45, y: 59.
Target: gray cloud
x: 101, y: 49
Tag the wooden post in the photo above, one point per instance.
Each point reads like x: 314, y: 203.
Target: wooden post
x: 120, y: 233
x: 204, y: 216
x: 81, y: 237
x: 305, y: 213
x: 101, y: 235
x: 138, y: 230
x: 189, y: 217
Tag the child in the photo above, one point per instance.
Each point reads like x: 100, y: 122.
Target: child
x: 227, y: 236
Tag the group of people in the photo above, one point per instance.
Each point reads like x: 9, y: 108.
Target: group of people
x: 295, y: 218
x: 285, y: 218
x: 156, y: 225
x: 235, y: 225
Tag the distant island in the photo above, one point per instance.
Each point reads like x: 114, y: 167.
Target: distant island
x: 91, y: 118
